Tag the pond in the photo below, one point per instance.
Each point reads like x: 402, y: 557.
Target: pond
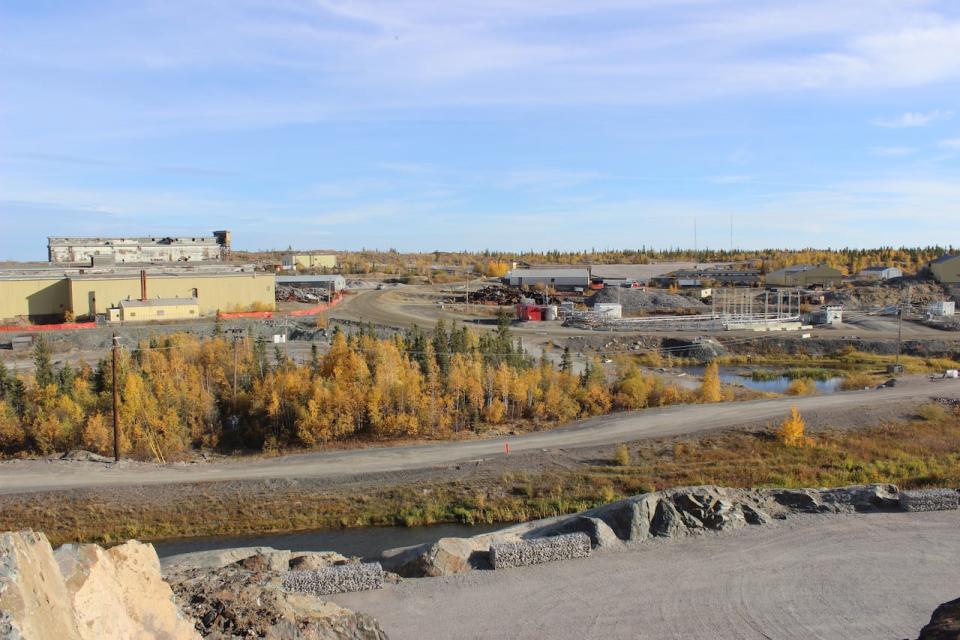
x: 364, y: 543
x: 768, y: 382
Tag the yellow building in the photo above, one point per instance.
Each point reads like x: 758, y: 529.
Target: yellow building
x: 47, y: 294
x: 946, y: 269
x: 156, y: 309
x: 46, y: 297
x: 309, y: 261
x: 95, y: 293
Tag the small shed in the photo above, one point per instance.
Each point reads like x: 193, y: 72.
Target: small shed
x: 880, y: 273
x: 942, y: 308
x: 158, y: 309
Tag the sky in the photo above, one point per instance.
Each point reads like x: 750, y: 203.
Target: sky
x: 494, y: 124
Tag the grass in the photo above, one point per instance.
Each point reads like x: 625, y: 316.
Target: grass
x: 921, y: 452
x: 845, y: 361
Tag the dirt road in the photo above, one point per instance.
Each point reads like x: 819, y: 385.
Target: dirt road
x: 855, y: 576
x: 39, y: 475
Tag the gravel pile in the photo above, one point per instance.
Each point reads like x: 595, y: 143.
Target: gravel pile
x: 539, y: 550
x: 929, y: 500
x: 337, y: 579
x: 648, y: 301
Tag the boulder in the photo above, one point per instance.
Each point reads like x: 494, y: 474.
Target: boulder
x: 445, y: 557
x: 667, y: 522
x: 119, y: 593
x: 216, y: 558
x: 755, y: 515
x: 944, y: 623
x: 871, y: 497
x: 34, y: 603
x: 269, y: 561
x: 601, y: 535
x: 316, y: 560
x: 803, y: 500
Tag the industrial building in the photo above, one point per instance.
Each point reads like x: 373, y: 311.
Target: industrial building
x: 804, y: 275
x: 710, y: 275
x: 946, y: 269
x: 880, y: 273
x: 155, y: 309
x: 48, y: 294
x: 335, y: 283
x: 556, y: 279
x: 139, y: 250
x: 309, y: 261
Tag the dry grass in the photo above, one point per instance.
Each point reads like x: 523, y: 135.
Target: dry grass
x: 914, y: 453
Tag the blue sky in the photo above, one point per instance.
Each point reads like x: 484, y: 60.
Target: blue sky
x: 492, y: 124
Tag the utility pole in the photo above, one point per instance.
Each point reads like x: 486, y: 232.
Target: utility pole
x: 116, y: 402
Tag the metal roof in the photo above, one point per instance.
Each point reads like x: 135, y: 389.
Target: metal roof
x: 944, y: 258
x: 549, y: 273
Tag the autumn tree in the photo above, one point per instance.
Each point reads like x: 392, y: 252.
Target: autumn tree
x: 710, y: 390
x: 791, y: 430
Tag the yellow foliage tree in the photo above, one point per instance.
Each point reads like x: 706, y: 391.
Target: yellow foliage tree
x: 791, y: 430
x: 710, y: 390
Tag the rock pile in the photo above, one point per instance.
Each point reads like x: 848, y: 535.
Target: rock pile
x: 649, y: 301
x: 929, y: 500
x: 248, y: 598
x: 338, y: 579
x: 663, y: 514
x: 539, y: 550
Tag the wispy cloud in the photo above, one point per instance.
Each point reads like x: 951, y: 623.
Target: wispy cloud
x: 913, y: 119
x: 951, y: 143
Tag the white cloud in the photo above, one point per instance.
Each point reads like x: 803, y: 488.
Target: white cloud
x: 951, y: 143
x: 913, y: 119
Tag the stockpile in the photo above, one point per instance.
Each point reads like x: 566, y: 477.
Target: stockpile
x: 286, y: 293
x: 648, y: 301
x: 496, y: 295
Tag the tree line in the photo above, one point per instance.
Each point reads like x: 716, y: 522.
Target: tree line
x: 179, y: 392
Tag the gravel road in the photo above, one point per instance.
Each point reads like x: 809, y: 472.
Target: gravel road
x: 870, y: 576
x: 19, y: 476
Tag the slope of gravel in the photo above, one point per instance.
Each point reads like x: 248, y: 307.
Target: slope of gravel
x: 857, y: 576
x: 649, y: 301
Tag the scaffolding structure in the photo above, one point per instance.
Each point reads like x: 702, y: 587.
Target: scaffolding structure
x: 731, y: 309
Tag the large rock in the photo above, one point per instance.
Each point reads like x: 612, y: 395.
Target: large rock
x: 944, y: 623
x: 34, y: 604
x: 601, y: 535
x: 119, y: 593
x: 315, y: 560
x: 802, y: 500
x: 219, y: 558
x: 871, y: 497
x: 445, y: 557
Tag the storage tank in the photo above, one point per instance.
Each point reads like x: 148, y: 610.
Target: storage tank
x: 550, y: 312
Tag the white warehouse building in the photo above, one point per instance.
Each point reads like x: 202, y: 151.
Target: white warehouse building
x: 558, y: 279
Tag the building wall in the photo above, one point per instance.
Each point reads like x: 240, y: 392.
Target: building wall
x: 213, y: 293
x: 81, y: 250
x: 947, y: 272
x: 815, y: 276
x: 310, y: 261
x: 159, y: 312
x: 39, y: 298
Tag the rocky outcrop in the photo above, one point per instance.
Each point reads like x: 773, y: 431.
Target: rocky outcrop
x: 34, y: 603
x: 235, y: 601
x: 85, y: 592
x: 278, y: 560
x: 944, y: 623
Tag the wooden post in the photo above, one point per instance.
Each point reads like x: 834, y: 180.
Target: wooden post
x: 116, y: 402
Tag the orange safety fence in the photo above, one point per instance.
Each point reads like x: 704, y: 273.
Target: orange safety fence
x: 312, y: 311
x: 261, y: 315
x: 49, y: 327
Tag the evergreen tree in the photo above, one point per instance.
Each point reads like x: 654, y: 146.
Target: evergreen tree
x: 566, y: 361
x: 43, y: 369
